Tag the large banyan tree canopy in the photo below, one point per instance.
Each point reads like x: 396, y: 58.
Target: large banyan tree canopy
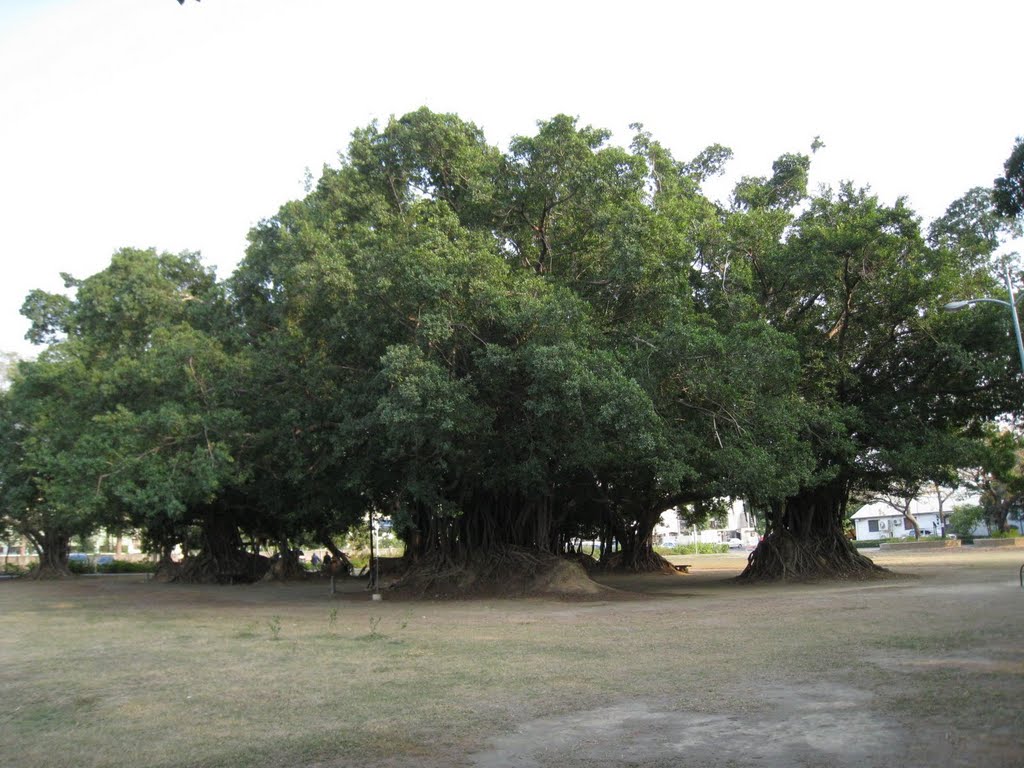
x: 511, y: 352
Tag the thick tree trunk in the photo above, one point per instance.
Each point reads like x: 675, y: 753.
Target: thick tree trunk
x: 53, y: 549
x: 166, y: 568
x: 344, y: 565
x: 223, y: 558
x: 805, y: 541
x: 999, y: 516
x: 637, y: 553
x: 285, y: 564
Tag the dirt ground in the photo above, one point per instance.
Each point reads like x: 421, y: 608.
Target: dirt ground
x: 692, y: 670
x: 946, y: 690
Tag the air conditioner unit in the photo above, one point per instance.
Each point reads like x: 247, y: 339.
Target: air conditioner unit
x: 883, y: 525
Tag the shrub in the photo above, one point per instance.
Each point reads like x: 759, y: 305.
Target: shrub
x: 127, y: 566
x: 109, y: 565
x: 866, y: 544
x: 81, y: 566
x: 690, y: 549
x: 964, y: 520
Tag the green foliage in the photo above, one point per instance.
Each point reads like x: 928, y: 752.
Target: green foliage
x: 1001, y: 480
x: 1008, y: 190
x: 884, y: 374
x: 526, y: 348
x: 129, y: 417
x: 964, y: 519
x: 1013, y: 533
x: 82, y: 566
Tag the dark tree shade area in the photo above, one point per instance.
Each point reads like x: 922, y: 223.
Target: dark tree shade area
x: 509, y: 354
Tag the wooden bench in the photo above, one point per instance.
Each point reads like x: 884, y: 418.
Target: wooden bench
x: 681, y: 568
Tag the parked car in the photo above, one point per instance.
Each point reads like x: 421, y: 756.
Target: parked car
x: 735, y: 543
x: 909, y: 533
x: 78, y: 557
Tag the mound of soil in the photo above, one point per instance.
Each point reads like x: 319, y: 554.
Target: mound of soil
x: 514, y: 572
x: 564, y: 577
x: 652, y: 562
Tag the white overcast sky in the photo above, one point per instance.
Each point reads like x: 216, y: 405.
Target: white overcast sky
x: 147, y: 123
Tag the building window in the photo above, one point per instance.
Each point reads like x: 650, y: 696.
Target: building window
x: 873, y: 526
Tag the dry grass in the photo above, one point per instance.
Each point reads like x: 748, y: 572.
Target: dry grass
x: 116, y: 670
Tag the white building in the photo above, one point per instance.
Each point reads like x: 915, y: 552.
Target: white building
x: 880, y: 520
x: 739, y: 524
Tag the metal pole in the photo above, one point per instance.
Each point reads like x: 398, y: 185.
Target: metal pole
x: 1016, y: 321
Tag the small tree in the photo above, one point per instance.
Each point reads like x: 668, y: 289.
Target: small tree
x: 965, y: 519
x: 1001, y: 481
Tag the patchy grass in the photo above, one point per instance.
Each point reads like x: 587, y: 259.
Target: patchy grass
x: 119, y: 669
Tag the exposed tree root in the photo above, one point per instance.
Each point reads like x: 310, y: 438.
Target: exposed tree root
x: 46, y: 571
x: 286, y: 567
x: 646, y: 562
x: 167, y: 571
x: 509, y: 571
x: 238, y: 567
x: 782, y: 556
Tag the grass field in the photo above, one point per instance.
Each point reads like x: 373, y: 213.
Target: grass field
x: 925, y: 670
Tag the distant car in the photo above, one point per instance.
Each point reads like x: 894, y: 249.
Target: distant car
x: 735, y: 543
x: 78, y: 557
x: 104, y: 560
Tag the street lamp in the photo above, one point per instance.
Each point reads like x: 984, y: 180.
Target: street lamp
x: 953, y: 306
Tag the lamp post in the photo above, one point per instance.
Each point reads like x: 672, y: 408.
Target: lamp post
x: 953, y: 306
